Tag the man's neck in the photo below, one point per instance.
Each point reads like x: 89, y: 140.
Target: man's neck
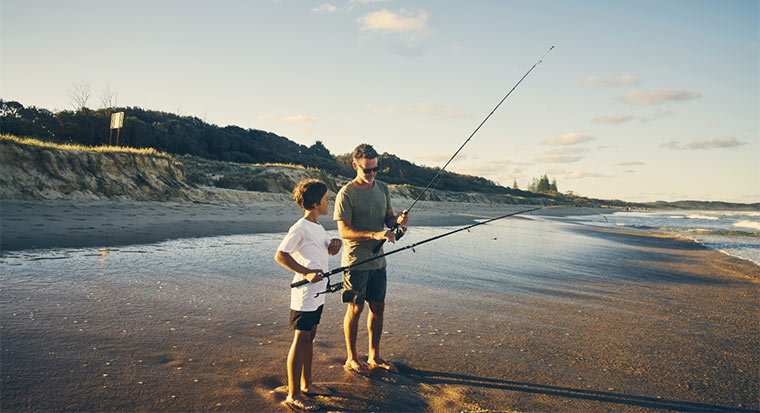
x: 363, y: 184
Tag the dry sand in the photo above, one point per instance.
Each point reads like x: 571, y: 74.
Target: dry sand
x: 681, y: 335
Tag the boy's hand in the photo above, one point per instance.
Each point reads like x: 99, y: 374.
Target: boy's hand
x: 335, y: 245
x: 314, y: 276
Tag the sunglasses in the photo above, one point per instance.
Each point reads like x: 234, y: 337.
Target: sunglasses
x: 370, y: 170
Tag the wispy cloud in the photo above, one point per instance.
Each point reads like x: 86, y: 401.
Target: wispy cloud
x: 718, y: 143
x: 581, y: 175
x: 298, y: 119
x: 559, y: 158
x: 403, y: 22
x: 569, y: 139
x: 325, y: 8
x: 631, y: 163
x: 441, y: 111
x: 618, y: 81
x: 490, y: 170
x: 615, y: 120
x: 567, y: 150
x: 656, y: 96
x: 375, y: 109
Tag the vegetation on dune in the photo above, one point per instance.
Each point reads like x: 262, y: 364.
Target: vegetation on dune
x: 77, y: 147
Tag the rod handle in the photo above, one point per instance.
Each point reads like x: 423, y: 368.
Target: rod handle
x: 299, y: 283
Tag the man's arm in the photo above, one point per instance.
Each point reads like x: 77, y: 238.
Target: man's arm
x: 392, y: 219
x: 347, y: 232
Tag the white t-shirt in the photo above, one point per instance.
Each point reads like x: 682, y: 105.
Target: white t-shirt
x: 307, y: 243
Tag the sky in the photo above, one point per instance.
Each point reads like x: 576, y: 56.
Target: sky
x: 638, y: 100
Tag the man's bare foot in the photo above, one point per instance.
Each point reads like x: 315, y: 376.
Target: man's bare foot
x: 315, y: 390
x: 382, y: 364
x: 357, y: 367
x: 300, y: 404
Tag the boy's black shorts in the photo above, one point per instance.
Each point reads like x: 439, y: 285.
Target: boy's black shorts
x: 305, y: 320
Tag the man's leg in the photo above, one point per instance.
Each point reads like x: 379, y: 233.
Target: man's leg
x: 351, y: 329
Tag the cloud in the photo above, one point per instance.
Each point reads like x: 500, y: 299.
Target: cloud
x: 489, y: 169
x: 656, y: 96
x: 298, y: 119
x: 724, y: 142
x: 567, y: 150
x: 441, y: 111
x: 374, y: 109
x: 615, y: 120
x: 403, y: 22
x: 325, y: 8
x: 580, y: 175
x: 632, y: 163
x: 559, y: 158
x: 718, y: 143
x: 618, y: 81
x: 569, y: 139
x: 367, y: 1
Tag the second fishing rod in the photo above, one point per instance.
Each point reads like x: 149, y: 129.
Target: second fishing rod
x: 397, y: 229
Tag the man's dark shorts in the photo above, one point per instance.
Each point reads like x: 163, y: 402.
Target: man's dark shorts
x: 305, y: 320
x: 359, y: 286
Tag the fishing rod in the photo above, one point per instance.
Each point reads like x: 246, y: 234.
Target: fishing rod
x: 397, y: 229
x: 337, y: 286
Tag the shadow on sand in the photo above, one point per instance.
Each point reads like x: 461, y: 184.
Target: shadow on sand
x: 437, y: 378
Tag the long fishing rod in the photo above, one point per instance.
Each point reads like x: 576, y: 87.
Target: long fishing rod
x: 337, y: 286
x: 399, y: 231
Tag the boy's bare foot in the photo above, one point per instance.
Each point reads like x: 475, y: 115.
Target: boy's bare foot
x: 382, y: 364
x: 300, y: 404
x: 357, y: 367
x: 315, y: 390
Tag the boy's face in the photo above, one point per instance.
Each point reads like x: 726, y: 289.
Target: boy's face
x: 323, y: 205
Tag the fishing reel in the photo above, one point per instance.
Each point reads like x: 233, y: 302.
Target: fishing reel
x: 398, y: 230
x: 330, y: 288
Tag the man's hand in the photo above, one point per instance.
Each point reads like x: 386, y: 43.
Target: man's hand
x: 385, y: 235
x: 314, y: 275
x: 335, y: 245
x: 403, y: 217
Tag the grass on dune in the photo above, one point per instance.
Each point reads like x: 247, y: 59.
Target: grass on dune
x: 75, y: 147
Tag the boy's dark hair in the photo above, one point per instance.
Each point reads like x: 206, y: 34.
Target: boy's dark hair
x: 309, y: 192
x: 364, y: 151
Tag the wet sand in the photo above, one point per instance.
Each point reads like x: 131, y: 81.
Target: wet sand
x: 675, y: 329
x: 69, y: 223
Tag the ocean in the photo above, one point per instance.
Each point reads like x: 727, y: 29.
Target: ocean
x: 736, y: 233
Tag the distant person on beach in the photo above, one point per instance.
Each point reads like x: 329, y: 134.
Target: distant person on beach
x: 304, y: 251
x: 363, y: 210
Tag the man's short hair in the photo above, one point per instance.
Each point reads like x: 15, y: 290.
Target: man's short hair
x: 364, y: 151
x: 309, y: 192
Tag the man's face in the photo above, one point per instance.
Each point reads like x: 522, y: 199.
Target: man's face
x: 363, y: 166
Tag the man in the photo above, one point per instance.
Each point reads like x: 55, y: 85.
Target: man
x: 362, y: 210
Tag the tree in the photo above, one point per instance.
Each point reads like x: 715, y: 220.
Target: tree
x: 79, y: 95
x: 514, y: 185
x: 109, y: 98
x: 553, y: 185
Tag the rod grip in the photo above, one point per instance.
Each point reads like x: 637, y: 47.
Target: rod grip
x: 299, y: 283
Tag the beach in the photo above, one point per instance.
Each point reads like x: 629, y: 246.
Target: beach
x: 140, y: 306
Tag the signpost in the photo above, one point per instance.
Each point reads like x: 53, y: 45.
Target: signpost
x: 117, y: 121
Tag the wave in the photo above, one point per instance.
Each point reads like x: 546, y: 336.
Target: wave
x: 747, y: 224
x: 698, y: 216
x: 718, y: 232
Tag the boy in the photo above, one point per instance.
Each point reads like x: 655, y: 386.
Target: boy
x: 304, y: 251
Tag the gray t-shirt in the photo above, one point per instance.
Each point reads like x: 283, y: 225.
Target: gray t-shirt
x: 365, y: 209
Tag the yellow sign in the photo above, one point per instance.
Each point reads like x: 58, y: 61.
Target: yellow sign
x: 117, y: 120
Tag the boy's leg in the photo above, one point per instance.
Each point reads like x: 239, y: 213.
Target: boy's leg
x: 301, y: 340
x: 307, y: 359
x: 350, y: 329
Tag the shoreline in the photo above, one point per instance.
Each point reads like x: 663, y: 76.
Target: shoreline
x: 109, y: 223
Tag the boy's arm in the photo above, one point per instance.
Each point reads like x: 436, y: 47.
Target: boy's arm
x: 290, y: 263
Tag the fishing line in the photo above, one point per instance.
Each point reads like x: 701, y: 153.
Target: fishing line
x: 400, y: 231
x: 339, y: 285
